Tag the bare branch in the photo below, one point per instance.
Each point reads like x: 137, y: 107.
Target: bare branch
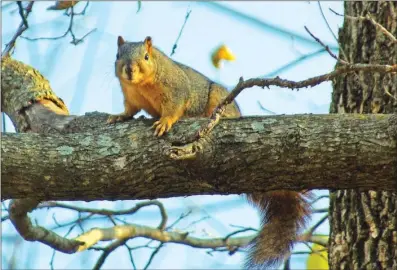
x: 21, y: 13
x: 22, y: 27
x: 318, y: 211
x: 180, y: 32
x: 152, y: 255
x: 125, y: 232
x: 319, y: 198
x: 326, y: 48
x: 19, y: 218
x: 107, y: 212
x: 317, y: 224
x: 52, y: 259
x: 69, y: 30
x: 131, y: 257
x: 370, y: 19
x: 309, y: 252
x: 181, y: 217
x: 330, y: 29
x: 190, y: 150
x: 309, y: 237
x: 106, y: 252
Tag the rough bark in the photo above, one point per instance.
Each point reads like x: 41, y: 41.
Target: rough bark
x: 21, y: 87
x: 244, y: 155
x: 364, y: 224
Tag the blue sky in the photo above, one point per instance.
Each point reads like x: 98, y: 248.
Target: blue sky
x: 83, y: 77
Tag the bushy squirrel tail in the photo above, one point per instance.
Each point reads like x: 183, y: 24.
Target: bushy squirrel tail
x: 284, y: 213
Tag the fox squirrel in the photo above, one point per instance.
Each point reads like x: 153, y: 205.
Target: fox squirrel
x: 169, y: 90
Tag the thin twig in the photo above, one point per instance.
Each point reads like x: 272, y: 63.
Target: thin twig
x: 326, y: 48
x: 237, y: 232
x: 293, y: 63
x: 130, y: 254
x: 152, y: 255
x: 321, y: 210
x: 314, y: 251
x: 315, y: 226
x: 309, y: 252
x: 52, y: 259
x: 69, y: 30
x: 195, y: 222
x: 106, y: 212
x: 139, y: 2
x: 180, y: 32
x: 330, y: 29
x: 181, y: 217
x: 22, y: 27
x: 109, y: 249
x: 84, y: 9
x: 319, y: 198
x: 264, y: 109
x: 20, y: 8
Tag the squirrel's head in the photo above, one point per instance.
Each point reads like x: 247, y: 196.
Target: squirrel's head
x: 134, y: 61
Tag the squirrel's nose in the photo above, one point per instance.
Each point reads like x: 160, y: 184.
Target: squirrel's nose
x: 128, y: 71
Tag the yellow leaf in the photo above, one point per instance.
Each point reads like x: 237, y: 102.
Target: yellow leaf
x: 222, y: 53
x: 318, y: 259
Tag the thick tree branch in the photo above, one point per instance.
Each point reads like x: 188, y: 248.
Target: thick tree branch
x: 27, y: 98
x: 246, y: 155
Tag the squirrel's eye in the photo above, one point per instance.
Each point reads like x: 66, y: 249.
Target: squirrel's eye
x: 146, y: 56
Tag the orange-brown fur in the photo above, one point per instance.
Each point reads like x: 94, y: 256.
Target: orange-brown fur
x: 170, y: 91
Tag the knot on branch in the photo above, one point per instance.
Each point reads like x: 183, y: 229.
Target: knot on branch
x: 185, y: 152
x: 190, y: 151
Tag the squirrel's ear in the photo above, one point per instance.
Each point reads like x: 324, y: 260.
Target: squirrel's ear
x: 120, y: 41
x: 148, y: 44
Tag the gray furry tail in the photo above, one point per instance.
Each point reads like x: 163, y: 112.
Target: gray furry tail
x: 283, y: 214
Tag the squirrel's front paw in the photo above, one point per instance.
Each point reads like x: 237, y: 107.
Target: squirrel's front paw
x: 116, y: 118
x: 163, y: 125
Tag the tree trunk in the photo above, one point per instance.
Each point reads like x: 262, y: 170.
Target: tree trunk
x: 364, y: 224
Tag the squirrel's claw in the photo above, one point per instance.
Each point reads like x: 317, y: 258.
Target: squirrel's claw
x: 161, y: 126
